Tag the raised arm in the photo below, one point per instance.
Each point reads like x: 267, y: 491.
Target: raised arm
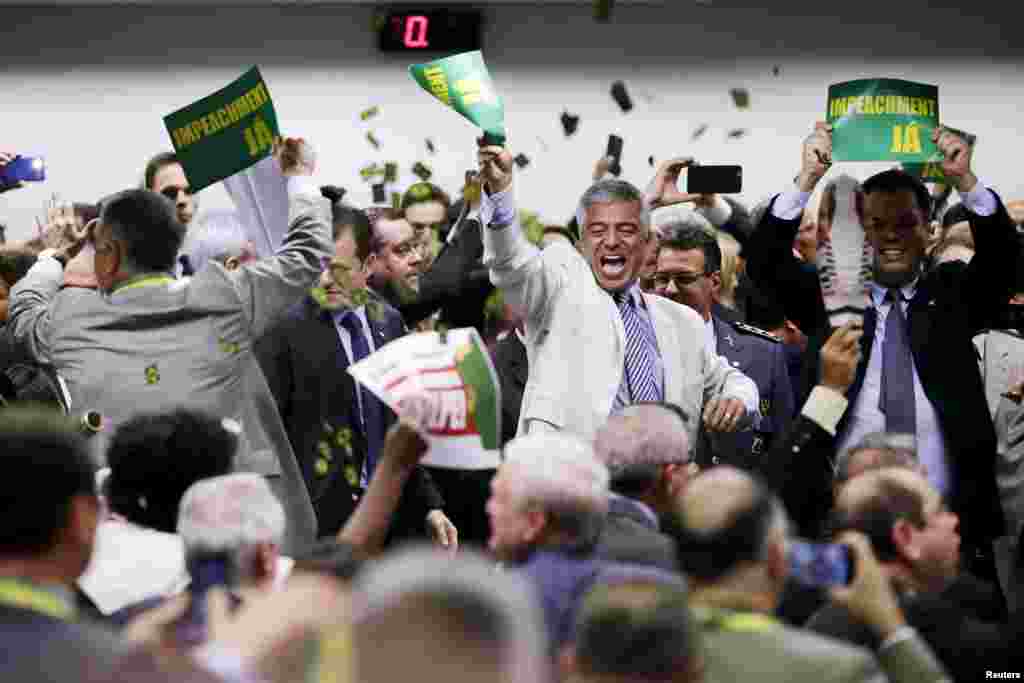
x: 30, y: 311
x: 990, y: 274
x: 516, y: 266
x: 269, y: 286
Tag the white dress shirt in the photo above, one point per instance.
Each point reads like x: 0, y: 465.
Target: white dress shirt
x: 866, y: 417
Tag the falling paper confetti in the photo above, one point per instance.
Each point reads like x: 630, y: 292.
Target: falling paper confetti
x: 372, y: 139
x: 776, y: 70
x: 390, y: 172
x: 740, y: 97
x: 603, y: 10
x: 422, y: 171
x: 379, y: 195
x: 621, y: 97
x: 430, y: 146
x: 569, y: 123
x: 368, y: 114
x: 371, y: 171
x: 701, y: 129
x: 522, y: 161
x: 737, y: 133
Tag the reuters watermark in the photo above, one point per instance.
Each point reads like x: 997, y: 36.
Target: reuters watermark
x: 1005, y: 675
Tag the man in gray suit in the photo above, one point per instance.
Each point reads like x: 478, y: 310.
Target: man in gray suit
x: 732, y: 536
x: 648, y: 456
x: 145, y: 342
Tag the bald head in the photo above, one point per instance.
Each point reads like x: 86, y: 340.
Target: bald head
x: 874, y: 501
x: 726, y: 521
x: 716, y: 498
x: 642, y: 435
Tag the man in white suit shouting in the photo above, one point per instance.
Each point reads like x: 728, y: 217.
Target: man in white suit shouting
x: 595, y: 343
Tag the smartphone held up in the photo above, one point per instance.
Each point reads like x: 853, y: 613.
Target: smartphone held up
x: 23, y: 169
x: 820, y: 565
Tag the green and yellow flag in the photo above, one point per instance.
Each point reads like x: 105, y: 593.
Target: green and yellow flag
x: 463, y: 83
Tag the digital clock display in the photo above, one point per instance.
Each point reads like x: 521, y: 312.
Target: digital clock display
x: 429, y: 30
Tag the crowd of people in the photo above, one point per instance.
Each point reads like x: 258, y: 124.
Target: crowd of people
x: 685, y: 417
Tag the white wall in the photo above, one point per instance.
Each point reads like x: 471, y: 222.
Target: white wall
x: 88, y: 86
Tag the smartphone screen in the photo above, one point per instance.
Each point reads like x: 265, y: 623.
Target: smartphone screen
x: 23, y: 169
x: 820, y: 564
x: 615, y: 152
x: 714, y: 179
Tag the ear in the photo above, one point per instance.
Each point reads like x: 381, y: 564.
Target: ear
x: 778, y: 567
x: 674, y: 477
x: 83, y: 518
x: 568, y: 667
x: 716, y: 282
x: 232, y: 263
x: 536, y: 522
x: 268, y: 560
x: 902, y: 536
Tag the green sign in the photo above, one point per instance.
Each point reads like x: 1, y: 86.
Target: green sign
x: 463, y: 83
x: 226, y: 132
x: 883, y: 119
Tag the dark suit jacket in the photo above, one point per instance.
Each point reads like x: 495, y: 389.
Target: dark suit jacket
x: 512, y: 367
x: 953, y: 303
x: 630, y: 536
x: 966, y: 646
x: 305, y: 366
x: 456, y: 282
x: 764, y: 361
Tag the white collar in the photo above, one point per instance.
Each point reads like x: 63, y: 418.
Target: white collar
x: 907, y: 291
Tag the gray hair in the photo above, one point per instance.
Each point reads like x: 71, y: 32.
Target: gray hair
x: 230, y: 514
x: 612, y: 191
x: 218, y: 235
x: 899, y: 450
x: 493, y: 613
x: 636, y: 442
x: 560, y: 474
x: 671, y: 219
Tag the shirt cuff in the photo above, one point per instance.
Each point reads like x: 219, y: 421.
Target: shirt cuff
x: 825, y: 407
x: 224, y: 662
x: 790, y: 204
x: 303, y: 186
x: 497, y: 210
x: 980, y: 200
x: 719, y: 213
x: 901, y: 635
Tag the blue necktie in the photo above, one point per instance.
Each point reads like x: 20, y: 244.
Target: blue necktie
x: 897, y: 399
x: 639, y: 360
x: 372, y: 415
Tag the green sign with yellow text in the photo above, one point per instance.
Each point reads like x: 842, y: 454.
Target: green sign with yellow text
x: 884, y: 119
x: 463, y: 83
x: 226, y: 132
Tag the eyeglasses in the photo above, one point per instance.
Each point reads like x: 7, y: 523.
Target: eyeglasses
x: 662, y: 280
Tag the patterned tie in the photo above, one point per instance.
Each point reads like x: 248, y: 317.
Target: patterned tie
x: 372, y: 416
x: 897, y: 399
x: 639, y: 361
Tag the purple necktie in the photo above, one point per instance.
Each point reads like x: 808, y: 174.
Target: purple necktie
x: 897, y: 399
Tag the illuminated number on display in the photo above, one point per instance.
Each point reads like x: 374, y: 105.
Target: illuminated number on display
x: 416, y: 31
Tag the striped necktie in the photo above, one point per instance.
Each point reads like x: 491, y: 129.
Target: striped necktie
x: 897, y: 400
x: 639, y: 360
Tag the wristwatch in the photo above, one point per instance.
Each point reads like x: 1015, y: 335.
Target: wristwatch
x: 56, y: 255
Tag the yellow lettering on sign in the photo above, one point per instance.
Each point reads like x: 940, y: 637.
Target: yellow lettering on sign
x: 438, y: 83
x: 469, y: 89
x: 912, y: 139
x: 897, y: 140
x: 869, y: 105
x: 258, y: 137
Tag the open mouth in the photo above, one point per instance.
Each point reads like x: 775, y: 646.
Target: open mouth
x: 613, y: 266
x: 893, y: 254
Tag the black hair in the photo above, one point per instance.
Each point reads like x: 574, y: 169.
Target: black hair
x: 345, y: 217
x: 46, y: 464
x: 15, y: 263
x: 158, y: 162
x: 956, y: 214
x: 652, y: 640
x: 155, y: 458
x: 709, y: 554
x: 685, y: 238
x: 896, y: 180
x: 146, y: 222
x: 422, y: 192
x: 764, y: 309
